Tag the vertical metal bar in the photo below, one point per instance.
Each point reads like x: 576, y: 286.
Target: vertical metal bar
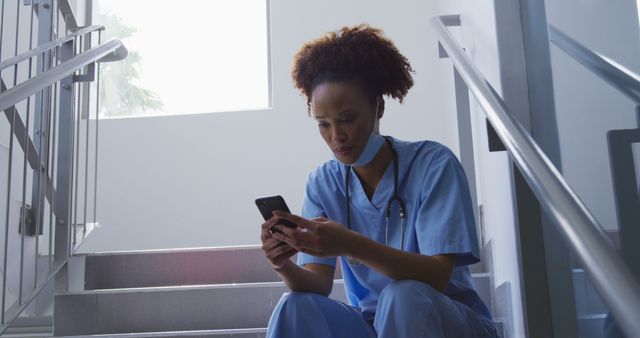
x: 24, y: 170
x: 95, y: 177
x: 465, y: 138
x: 24, y: 196
x: 15, y: 80
x: 43, y: 98
x: 58, y: 19
x: 6, y: 230
x: 86, y: 172
x: 76, y: 162
x: 64, y: 165
x: 1, y: 34
x: 87, y: 108
x: 542, y: 120
x: 6, y: 237
x: 51, y: 136
x: 15, y: 74
x: 53, y: 167
x: 40, y: 193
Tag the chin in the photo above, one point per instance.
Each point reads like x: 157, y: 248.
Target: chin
x: 344, y: 160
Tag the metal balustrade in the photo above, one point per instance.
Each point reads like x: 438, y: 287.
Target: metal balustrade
x: 612, y: 277
x: 48, y: 94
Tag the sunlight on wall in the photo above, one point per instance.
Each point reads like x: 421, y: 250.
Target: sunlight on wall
x: 196, y: 57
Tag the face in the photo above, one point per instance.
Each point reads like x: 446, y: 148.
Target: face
x: 346, y: 117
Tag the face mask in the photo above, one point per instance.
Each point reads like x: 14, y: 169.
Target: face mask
x: 374, y: 143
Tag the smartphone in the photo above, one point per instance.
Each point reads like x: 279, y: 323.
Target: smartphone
x: 267, y: 205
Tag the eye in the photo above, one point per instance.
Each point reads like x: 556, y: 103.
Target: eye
x: 323, y: 124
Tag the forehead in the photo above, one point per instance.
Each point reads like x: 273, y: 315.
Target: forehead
x: 335, y: 96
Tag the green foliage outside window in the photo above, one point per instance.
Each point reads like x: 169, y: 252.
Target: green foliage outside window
x: 119, y: 95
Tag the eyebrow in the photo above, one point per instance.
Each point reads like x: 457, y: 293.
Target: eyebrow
x: 348, y: 111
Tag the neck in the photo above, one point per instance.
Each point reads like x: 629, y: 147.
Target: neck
x: 371, y: 173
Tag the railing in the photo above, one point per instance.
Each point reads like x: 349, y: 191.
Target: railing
x: 613, y: 279
x: 615, y: 74
x: 52, y: 89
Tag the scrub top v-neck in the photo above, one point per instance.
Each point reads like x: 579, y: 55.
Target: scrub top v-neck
x: 439, y: 220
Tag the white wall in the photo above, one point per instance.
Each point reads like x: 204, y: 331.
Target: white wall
x: 588, y: 107
x: 187, y: 181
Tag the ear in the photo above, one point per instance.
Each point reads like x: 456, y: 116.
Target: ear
x: 380, y: 107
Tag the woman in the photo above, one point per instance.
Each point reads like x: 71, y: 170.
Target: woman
x: 398, y: 214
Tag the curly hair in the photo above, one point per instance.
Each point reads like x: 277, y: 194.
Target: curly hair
x: 360, y: 54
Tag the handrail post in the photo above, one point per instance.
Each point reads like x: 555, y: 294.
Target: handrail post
x: 65, y: 157
x: 41, y: 122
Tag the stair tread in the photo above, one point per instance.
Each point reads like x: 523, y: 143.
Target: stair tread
x: 184, y: 288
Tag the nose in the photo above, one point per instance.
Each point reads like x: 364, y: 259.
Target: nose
x: 338, y: 135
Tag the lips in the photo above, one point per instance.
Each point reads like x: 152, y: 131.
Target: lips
x: 342, y: 150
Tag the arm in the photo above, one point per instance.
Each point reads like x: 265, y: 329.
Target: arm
x: 327, y: 238
x: 398, y: 265
x: 316, y: 278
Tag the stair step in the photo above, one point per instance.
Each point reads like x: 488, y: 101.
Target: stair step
x: 177, y: 267
x: 155, y: 309
x: 235, y: 333
x: 591, y: 326
x: 588, y: 300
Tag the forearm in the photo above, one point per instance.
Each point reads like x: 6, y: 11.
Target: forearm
x: 303, y: 280
x: 399, y: 265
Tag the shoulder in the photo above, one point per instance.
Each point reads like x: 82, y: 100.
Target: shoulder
x: 329, y: 172
x: 424, y: 153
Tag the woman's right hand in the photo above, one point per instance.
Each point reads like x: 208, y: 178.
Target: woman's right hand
x: 276, y: 251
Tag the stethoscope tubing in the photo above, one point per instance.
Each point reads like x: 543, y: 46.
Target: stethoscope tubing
x: 394, y: 198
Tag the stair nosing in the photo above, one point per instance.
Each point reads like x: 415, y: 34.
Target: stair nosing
x: 182, y: 287
x: 172, y: 250
x: 181, y: 333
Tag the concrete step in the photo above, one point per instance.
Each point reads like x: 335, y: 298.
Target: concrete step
x: 588, y: 300
x: 177, y: 267
x: 235, y: 333
x: 156, y: 309
x: 200, y: 266
x: 591, y: 326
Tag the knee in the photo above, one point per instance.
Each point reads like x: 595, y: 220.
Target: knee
x: 408, y: 292
x: 296, y: 300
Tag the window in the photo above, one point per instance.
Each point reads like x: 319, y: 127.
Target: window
x: 199, y: 56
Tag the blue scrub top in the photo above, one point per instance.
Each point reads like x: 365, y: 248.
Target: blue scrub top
x: 439, y: 218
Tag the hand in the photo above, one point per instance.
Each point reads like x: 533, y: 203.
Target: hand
x: 320, y: 237
x: 276, y: 251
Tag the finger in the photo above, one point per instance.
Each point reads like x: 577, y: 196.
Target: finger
x: 319, y: 219
x: 270, y: 222
x: 287, y: 254
x: 299, y: 221
x: 285, y: 229
x: 312, y: 252
x: 302, y: 237
x: 271, y: 244
x: 279, y: 251
x: 290, y: 241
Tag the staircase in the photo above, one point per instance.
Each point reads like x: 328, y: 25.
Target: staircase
x: 228, y: 292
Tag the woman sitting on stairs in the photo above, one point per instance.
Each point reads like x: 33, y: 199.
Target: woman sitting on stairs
x: 398, y: 214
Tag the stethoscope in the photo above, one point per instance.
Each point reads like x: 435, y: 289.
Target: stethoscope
x: 394, y: 198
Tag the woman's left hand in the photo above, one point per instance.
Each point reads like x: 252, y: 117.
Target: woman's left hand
x: 320, y: 237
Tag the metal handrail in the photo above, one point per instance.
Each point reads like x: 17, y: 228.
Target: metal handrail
x: 111, y: 50
x: 49, y: 45
x: 612, y: 278
x: 615, y: 74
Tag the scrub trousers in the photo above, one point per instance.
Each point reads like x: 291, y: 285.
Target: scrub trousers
x: 406, y: 309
